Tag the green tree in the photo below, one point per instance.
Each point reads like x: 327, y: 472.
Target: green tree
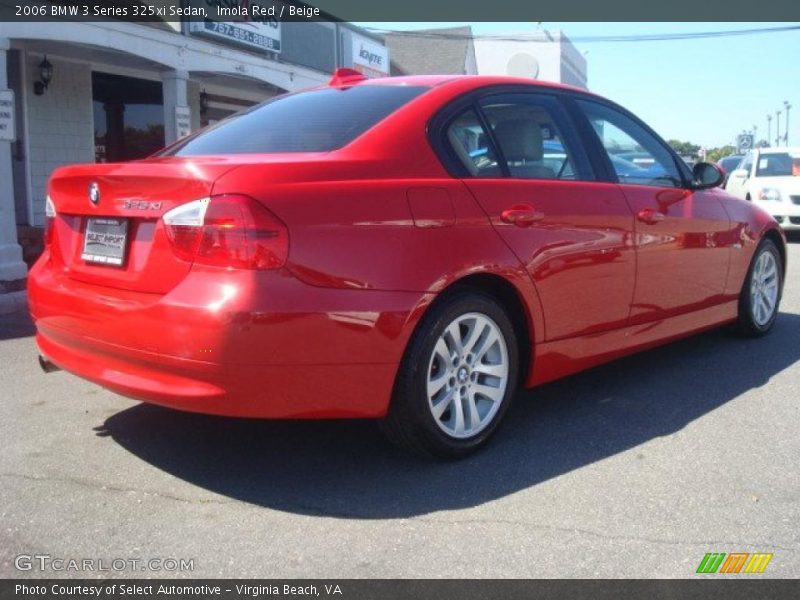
x: 684, y: 148
x: 716, y: 153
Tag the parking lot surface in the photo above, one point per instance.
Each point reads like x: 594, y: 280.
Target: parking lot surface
x: 634, y: 469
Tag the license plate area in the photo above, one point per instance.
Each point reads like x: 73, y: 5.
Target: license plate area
x: 105, y: 241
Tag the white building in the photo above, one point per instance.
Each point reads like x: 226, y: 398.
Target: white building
x: 540, y: 54
x: 120, y: 91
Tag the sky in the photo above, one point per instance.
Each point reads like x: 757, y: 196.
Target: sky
x: 704, y: 91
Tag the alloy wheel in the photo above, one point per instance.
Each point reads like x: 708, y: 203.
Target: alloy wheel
x: 764, y: 288
x: 468, y: 374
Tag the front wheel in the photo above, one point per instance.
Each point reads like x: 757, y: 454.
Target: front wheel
x: 761, y: 292
x: 457, y: 378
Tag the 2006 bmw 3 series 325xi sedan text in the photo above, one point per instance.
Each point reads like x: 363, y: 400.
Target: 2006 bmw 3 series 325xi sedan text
x: 408, y: 249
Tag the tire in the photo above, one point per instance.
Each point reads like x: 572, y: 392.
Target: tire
x: 472, y: 379
x: 761, y: 292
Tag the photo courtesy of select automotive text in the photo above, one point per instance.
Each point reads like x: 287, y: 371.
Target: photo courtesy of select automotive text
x: 446, y: 299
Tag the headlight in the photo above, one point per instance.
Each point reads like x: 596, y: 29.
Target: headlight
x: 769, y: 194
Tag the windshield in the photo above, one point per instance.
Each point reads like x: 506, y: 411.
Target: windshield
x: 313, y: 121
x: 778, y: 164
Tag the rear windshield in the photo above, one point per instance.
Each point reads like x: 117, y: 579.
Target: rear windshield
x: 313, y: 121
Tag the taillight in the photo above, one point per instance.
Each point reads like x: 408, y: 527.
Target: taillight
x: 49, y: 220
x: 228, y: 231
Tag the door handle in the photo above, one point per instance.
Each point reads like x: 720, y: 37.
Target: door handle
x: 651, y: 216
x: 521, y: 215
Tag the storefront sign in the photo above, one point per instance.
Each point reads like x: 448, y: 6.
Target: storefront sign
x: 183, y: 121
x: 253, y: 26
x: 8, y: 129
x: 744, y: 142
x: 369, y: 57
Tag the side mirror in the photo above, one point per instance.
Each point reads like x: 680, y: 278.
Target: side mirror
x: 739, y: 173
x: 706, y: 175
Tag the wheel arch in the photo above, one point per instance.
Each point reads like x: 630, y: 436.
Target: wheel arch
x: 510, y: 298
x: 775, y: 237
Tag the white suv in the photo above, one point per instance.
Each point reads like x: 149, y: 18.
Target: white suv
x: 770, y: 177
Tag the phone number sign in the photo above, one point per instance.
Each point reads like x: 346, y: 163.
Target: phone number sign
x: 254, y: 34
x: 8, y: 131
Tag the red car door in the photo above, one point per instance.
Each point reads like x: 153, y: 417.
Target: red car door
x: 529, y: 173
x: 682, y: 256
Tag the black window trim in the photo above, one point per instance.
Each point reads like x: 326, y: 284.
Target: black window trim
x: 597, y: 153
x: 492, y: 139
x: 591, y: 145
x: 437, y: 133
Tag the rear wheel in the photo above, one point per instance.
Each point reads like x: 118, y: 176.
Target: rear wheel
x: 457, y: 378
x: 761, y: 292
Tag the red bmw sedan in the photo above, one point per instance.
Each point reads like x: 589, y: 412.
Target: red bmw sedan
x: 408, y: 249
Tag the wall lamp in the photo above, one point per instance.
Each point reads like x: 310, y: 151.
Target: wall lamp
x: 45, y: 77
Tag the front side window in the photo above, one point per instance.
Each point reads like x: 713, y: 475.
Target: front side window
x: 319, y: 120
x: 636, y: 156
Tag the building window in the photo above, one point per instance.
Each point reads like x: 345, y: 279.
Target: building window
x: 128, y: 117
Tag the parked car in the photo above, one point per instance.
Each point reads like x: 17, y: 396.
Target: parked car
x: 347, y: 251
x: 728, y: 164
x: 770, y: 178
x: 640, y: 159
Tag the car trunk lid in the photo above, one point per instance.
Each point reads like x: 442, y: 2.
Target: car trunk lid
x: 123, y: 204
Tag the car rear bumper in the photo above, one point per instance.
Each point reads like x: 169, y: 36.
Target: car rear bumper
x: 231, y: 343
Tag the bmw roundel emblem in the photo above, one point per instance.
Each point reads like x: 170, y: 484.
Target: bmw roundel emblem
x: 94, y: 193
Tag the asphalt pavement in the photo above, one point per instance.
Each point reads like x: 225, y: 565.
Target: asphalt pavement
x: 634, y: 469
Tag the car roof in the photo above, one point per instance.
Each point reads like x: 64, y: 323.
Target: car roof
x: 476, y: 80
x: 780, y: 149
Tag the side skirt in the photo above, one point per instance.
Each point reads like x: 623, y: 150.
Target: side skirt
x: 553, y: 360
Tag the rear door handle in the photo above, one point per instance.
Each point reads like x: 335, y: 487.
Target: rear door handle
x: 651, y: 216
x: 521, y: 215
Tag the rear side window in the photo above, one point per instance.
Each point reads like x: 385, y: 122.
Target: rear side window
x: 471, y: 144
x: 530, y: 140
x: 313, y: 121
x: 517, y: 135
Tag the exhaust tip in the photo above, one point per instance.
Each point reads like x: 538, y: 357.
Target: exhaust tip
x: 47, y: 366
